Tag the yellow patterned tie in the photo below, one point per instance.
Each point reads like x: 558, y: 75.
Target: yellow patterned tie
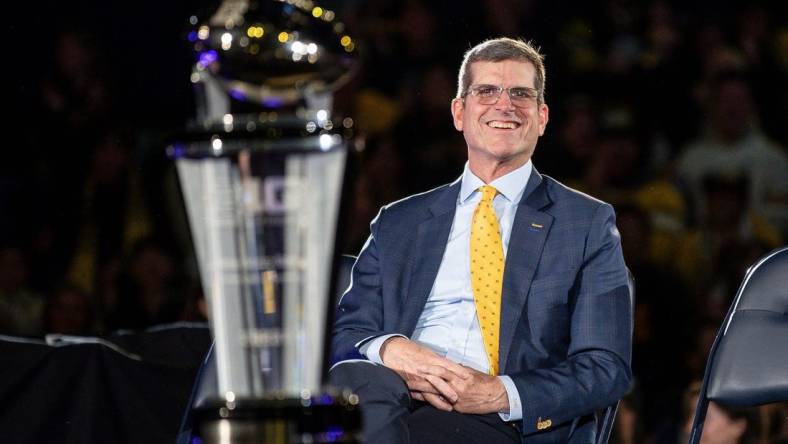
x: 487, y: 272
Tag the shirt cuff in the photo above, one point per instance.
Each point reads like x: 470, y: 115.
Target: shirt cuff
x: 515, y: 407
x: 371, y: 349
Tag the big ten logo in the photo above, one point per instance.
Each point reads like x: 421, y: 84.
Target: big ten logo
x: 281, y: 194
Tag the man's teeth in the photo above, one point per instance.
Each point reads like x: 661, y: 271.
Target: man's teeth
x: 503, y: 125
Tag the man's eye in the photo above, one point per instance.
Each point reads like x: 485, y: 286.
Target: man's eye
x: 486, y: 92
x: 521, y: 93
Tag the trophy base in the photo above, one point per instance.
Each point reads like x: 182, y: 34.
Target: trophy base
x: 322, y: 419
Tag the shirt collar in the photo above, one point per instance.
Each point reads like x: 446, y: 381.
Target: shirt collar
x: 511, y: 185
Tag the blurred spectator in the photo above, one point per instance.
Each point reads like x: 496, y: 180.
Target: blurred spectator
x: 618, y: 171
x: 425, y: 135
x: 661, y: 350
x: 418, y: 27
x: 706, y: 330
x: 76, y: 90
x: 774, y: 418
x: 506, y: 17
x: 568, y: 158
x: 73, y: 108
x: 379, y: 182
x: 628, y: 426
x: 723, y: 425
x: 730, y: 237
x: 618, y: 166
x: 733, y: 145
x: 149, y: 289
x: 69, y: 311
x: 753, y: 33
x: 114, y: 215
x: 666, y: 66
x: 20, y: 307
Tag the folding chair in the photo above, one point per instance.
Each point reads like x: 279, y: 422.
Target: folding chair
x: 748, y: 362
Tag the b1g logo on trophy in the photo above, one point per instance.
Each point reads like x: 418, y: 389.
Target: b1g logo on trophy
x: 262, y: 171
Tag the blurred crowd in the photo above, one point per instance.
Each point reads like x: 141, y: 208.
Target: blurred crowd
x: 674, y: 113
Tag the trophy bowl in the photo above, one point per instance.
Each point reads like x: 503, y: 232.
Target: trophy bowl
x: 271, y: 52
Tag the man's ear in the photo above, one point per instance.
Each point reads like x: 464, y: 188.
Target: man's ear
x: 457, y: 109
x: 544, y: 117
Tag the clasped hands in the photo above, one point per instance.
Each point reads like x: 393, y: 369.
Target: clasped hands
x: 442, y: 383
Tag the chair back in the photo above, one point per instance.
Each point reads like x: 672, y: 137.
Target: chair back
x: 748, y: 362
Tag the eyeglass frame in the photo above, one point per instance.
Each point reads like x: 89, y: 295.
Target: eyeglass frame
x: 473, y: 90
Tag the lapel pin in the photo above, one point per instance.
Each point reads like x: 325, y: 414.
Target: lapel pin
x: 535, y: 225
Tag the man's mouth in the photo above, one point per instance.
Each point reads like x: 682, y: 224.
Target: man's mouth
x: 503, y: 124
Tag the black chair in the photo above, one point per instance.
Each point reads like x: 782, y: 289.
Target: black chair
x: 748, y: 362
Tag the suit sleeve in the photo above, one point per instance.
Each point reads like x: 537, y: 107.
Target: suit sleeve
x: 359, y: 316
x: 596, y: 372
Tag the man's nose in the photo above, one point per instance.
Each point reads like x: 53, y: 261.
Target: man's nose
x: 504, y: 101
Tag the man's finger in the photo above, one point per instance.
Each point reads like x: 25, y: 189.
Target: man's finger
x: 418, y: 396
x: 437, y: 402
x: 420, y: 384
x: 443, y: 372
x: 453, y: 367
x: 435, y: 370
x: 443, y: 388
x: 459, y: 370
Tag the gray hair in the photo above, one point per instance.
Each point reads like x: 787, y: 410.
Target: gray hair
x: 499, y: 50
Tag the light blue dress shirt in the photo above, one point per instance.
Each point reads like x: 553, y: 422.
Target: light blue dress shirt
x: 449, y: 325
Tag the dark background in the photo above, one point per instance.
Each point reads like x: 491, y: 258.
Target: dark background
x: 92, y: 235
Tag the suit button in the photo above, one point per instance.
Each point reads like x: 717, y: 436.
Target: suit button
x: 541, y: 425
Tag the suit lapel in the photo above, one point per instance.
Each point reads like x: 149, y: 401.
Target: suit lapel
x: 529, y: 232
x: 432, y: 236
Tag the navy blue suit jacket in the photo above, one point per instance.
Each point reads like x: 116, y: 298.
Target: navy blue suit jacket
x: 566, y: 318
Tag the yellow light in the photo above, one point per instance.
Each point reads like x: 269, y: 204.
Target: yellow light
x: 317, y: 11
x: 282, y: 37
x: 255, y: 31
x: 345, y: 40
x: 350, y: 47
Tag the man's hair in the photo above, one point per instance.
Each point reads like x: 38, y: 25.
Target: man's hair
x: 499, y: 50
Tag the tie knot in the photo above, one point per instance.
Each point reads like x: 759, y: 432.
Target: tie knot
x: 488, y: 193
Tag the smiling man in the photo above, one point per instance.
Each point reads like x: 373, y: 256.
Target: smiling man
x: 495, y: 308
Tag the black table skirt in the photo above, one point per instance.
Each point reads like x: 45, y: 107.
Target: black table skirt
x: 133, y: 388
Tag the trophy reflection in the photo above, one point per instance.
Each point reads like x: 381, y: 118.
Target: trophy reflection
x: 262, y: 172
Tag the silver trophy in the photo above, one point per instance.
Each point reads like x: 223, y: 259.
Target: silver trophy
x: 261, y: 172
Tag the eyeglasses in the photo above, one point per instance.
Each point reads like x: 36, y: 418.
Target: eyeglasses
x: 489, y: 94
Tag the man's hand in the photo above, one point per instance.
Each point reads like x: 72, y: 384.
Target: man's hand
x: 479, y: 394
x: 427, y: 375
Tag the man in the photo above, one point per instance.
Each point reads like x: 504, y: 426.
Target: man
x: 495, y: 308
x: 732, y: 144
